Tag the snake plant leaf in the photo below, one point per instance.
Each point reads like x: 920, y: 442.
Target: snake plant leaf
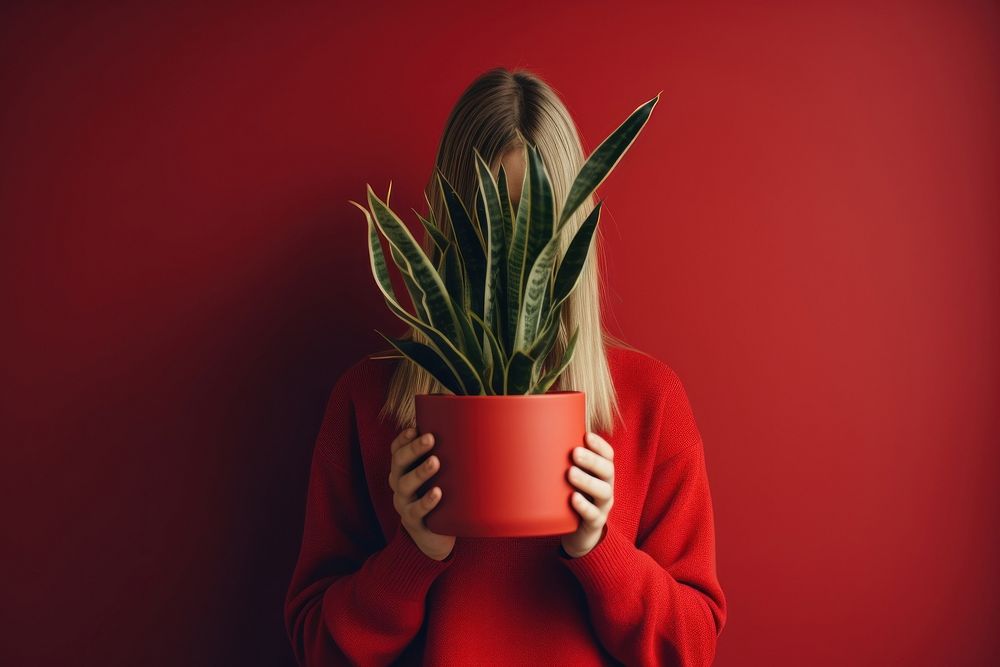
x: 519, y: 373
x: 498, y: 352
x: 517, y: 251
x: 432, y: 219
x: 496, y: 246
x: 467, y: 374
x: 455, y: 359
x: 440, y: 267
x: 480, y: 219
x: 430, y: 210
x: 481, y: 222
x: 542, y: 346
x: 541, y: 272
x: 440, y: 240
x: 550, y: 377
x: 454, y: 278
x: 530, y: 313
x: 417, y: 294
x: 480, y: 353
x: 441, y: 244
x: 546, y: 298
x: 505, y: 207
x: 604, y: 158
x: 472, y: 250
x: 473, y: 346
x: 571, y: 265
x: 449, y: 264
x: 500, y: 308
x: 427, y: 358
x: 464, y: 362
x: 380, y: 269
x: 540, y: 224
x: 440, y: 308
x: 490, y: 356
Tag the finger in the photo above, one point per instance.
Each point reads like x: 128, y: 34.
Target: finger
x: 419, y: 508
x: 404, y: 437
x: 411, y: 451
x: 411, y: 481
x: 596, y: 488
x: 586, y: 509
x: 594, y: 463
x: 405, y: 455
x: 600, y: 445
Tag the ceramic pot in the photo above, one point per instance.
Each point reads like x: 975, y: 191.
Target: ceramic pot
x: 504, y: 462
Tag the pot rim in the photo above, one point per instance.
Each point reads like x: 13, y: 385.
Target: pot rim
x: 480, y: 397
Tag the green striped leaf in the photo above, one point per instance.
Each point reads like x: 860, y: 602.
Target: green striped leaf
x: 427, y: 358
x: 471, y: 247
x: 517, y: 252
x: 604, y: 158
x: 454, y: 279
x: 539, y: 280
x: 467, y: 374
x: 498, y: 354
x: 440, y: 240
x: 473, y: 348
x: 440, y: 310
x: 505, y: 207
x: 542, y: 346
x: 473, y: 345
x: 540, y: 225
x: 530, y: 313
x: 456, y: 360
x: 519, y: 373
x: 572, y: 263
x: 380, y: 269
x: 490, y: 364
x: 430, y: 211
x: 550, y: 377
x: 496, y: 246
x: 417, y: 295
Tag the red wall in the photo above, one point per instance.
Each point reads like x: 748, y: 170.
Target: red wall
x: 807, y: 231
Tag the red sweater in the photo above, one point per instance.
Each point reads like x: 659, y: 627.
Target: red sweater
x: 363, y: 593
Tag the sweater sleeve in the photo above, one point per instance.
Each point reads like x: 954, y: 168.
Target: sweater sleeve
x: 354, y: 597
x: 657, y: 600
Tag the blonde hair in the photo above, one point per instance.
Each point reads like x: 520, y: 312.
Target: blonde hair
x: 487, y: 116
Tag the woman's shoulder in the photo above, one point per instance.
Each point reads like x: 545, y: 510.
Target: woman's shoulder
x: 637, y: 365
x: 367, y: 371
x: 653, y: 384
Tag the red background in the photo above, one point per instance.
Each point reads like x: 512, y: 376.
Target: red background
x: 806, y: 231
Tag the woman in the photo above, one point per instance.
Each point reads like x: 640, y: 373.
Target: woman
x: 636, y: 583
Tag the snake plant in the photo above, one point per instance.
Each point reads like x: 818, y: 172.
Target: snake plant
x: 490, y: 308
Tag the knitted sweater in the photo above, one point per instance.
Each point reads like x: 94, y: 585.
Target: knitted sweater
x: 363, y: 592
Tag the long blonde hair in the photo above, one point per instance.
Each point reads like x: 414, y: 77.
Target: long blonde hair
x: 485, y: 117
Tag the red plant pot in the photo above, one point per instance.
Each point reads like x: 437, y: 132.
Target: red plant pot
x: 504, y: 462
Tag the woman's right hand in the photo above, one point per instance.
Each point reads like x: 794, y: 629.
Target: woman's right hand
x: 406, y: 449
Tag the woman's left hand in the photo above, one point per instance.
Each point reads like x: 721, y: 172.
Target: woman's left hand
x: 594, y: 477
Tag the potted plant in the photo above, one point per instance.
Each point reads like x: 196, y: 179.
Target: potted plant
x: 490, y: 310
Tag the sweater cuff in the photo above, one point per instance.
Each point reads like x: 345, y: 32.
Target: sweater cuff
x: 608, y: 565
x: 401, y: 569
